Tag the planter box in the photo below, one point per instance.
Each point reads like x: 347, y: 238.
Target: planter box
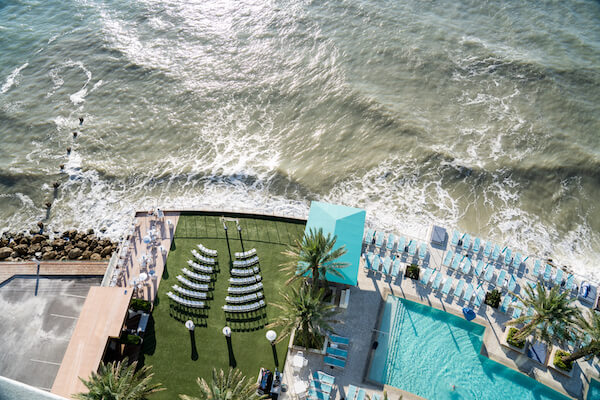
x: 559, y: 370
x: 292, y: 346
x: 504, y: 343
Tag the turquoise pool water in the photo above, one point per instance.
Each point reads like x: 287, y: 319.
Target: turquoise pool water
x: 426, y: 351
x: 594, y: 390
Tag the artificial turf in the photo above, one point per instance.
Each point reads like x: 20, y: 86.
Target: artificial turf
x: 179, y: 358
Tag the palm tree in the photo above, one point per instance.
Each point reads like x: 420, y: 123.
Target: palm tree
x: 304, y: 311
x: 589, y: 327
x: 548, y: 315
x: 315, y: 254
x: 230, y: 386
x: 119, y: 381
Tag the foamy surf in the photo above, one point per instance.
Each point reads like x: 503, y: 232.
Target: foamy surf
x: 12, y: 79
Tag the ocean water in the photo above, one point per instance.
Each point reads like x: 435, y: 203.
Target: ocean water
x: 478, y: 114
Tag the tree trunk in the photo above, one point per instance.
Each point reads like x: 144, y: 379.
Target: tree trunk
x: 517, y: 336
x: 582, y: 352
x: 316, y: 280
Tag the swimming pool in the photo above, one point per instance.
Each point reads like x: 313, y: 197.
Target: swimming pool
x: 436, y: 355
x: 594, y: 390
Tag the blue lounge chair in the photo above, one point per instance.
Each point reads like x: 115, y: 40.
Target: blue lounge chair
x: 455, y: 237
x: 334, y: 351
x: 479, y: 296
x: 537, y: 266
x: 468, y: 293
x: 391, y: 240
x: 376, y: 262
x: 412, y: 248
x: 401, y: 245
x: 558, y: 277
x: 323, y: 377
x: 426, y: 276
x: 517, y: 260
x: 396, y: 267
x: 447, y: 285
x: 423, y: 250
x: 387, y: 262
x: 507, y: 256
x: 375, y: 397
x: 369, y: 236
x: 500, y: 279
x: 466, y: 241
x: 458, y: 288
x: 361, y: 394
x: 487, y: 250
x: 334, y: 362
x: 339, y: 340
x: 569, y: 282
x: 369, y: 260
x: 351, y: 392
x: 379, y: 240
x: 321, y: 386
x: 436, y: 281
x: 489, y: 272
x: 456, y: 262
x: 448, y: 258
x: 506, y: 303
x: 476, y: 245
x: 512, y: 283
x: 479, y: 268
x: 314, y: 394
x: 518, y: 309
x: 496, y: 253
x: 466, y: 268
x: 548, y: 272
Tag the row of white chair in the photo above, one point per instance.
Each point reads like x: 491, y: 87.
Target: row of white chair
x: 244, y: 272
x: 190, y: 293
x: 245, y: 281
x: 207, y: 251
x: 245, y: 254
x: 185, y: 302
x: 198, y: 277
x: 190, y: 284
x: 244, y: 289
x: 246, y: 263
x: 201, y: 268
x: 244, y: 307
x: 244, y: 299
x: 203, y: 259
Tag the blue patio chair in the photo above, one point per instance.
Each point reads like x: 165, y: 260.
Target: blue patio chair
x: 391, y: 240
x: 396, y: 267
x: 517, y: 260
x: 376, y: 262
x: 501, y: 276
x: 423, y: 250
x: 334, y: 362
x: 478, y: 268
x: 436, y: 281
x: 468, y: 293
x: 505, y: 303
x: 466, y: 268
x: 334, y: 351
x: 456, y: 262
x: 487, y: 250
x: 379, y: 240
x: 448, y: 258
x: 401, y: 245
x: 455, y: 237
x: 321, y: 386
x: 412, y: 248
x: 569, y: 282
x: 369, y: 236
x: 375, y: 396
x: 459, y: 287
x: 324, y: 377
x: 314, y: 394
x: 518, y: 309
x: 537, y: 266
x: 496, y: 253
x: 512, y: 283
x: 369, y: 260
x: 507, y: 256
x: 558, y: 277
x: 447, y: 285
x: 387, y: 261
x: 466, y: 241
x: 479, y: 296
x: 548, y: 272
x: 361, y: 394
x: 476, y: 245
x: 426, y: 276
x: 489, y: 272
x: 339, y: 340
x: 351, y: 392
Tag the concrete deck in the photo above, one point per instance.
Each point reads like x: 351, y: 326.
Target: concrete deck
x: 360, y: 322
x: 51, y: 268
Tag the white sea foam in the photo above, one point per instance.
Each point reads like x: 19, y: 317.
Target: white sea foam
x: 12, y: 78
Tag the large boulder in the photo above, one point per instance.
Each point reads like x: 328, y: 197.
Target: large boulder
x: 86, y: 254
x: 4, y: 242
x: 12, y: 244
x: 34, y: 248
x: 69, y: 247
x: 75, y: 253
x: 79, y: 236
x: 81, y: 245
x: 58, y: 244
x: 21, y: 249
x: 46, y: 249
x: 90, y: 231
x: 24, y: 240
x: 106, y: 251
x: 50, y: 255
x: 38, y: 239
x: 5, y: 252
x: 95, y: 257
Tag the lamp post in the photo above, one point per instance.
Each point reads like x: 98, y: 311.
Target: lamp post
x: 190, y: 325
x: 271, y: 336
x: 227, y: 332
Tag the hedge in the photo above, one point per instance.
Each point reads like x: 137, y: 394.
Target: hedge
x: 517, y: 343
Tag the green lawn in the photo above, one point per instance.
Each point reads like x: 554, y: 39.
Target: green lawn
x: 168, y: 346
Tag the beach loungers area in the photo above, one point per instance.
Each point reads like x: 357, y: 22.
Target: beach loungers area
x: 245, y: 286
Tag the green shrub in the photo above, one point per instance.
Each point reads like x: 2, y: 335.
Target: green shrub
x: 412, y: 271
x: 140, y: 305
x: 492, y: 298
x: 516, y: 343
x: 127, y: 338
x: 559, y: 363
x: 314, y: 341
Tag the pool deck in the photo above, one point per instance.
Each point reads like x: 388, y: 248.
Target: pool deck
x: 361, y: 319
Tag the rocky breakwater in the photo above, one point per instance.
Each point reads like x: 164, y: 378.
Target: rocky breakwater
x: 68, y: 245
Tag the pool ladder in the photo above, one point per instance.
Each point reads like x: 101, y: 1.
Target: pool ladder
x: 393, y: 339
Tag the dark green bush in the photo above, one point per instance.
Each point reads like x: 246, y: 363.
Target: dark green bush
x: 492, y: 298
x: 559, y: 363
x: 517, y: 343
x: 313, y: 341
x: 127, y: 338
x: 140, y: 304
x: 412, y: 271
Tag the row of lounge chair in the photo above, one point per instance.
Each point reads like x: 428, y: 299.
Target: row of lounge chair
x: 185, y: 302
x: 479, y: 269
x: 244, y: 307
x: 373, y: 262
x: 201, y: 268
x: 463, y: 289
x: 412, y: 247
x: 245, y: 263
x: 355, y: 393
x: 244, y: 299
x: 246, y: 254
x: 337, y: 351
x: 320, y: 386
x: 207, y: 251
x: 244, y: 271
x: 203, y: 259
